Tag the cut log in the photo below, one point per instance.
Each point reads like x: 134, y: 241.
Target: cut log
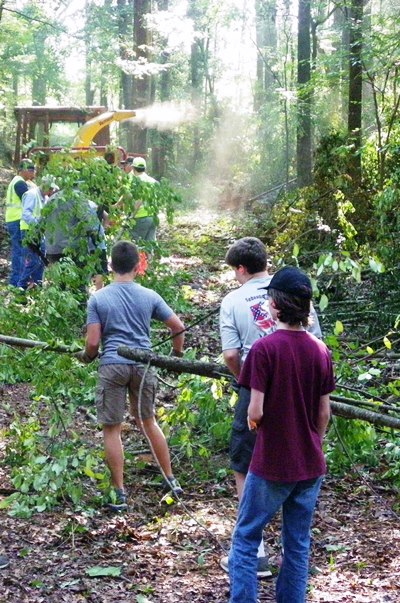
x: 218, y: 371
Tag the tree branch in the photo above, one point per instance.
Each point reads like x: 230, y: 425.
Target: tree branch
x: 218, y: 371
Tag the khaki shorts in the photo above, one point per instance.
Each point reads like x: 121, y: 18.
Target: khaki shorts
x: 115, y: 380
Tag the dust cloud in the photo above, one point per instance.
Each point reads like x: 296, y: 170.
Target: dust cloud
x: 166, y: 116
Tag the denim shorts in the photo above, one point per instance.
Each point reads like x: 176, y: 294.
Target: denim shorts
x: 242, y: 439
x: 115, y: 381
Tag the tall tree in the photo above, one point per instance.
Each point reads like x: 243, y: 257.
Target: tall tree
x: 196, y: 76
x: 125, y: 34
x: 162, y: 150
x: 142, y: 86
x: 304, y: 160
x: 266, y: 38
x: 355, y: 86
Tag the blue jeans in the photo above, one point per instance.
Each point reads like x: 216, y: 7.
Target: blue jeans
x: 32, y: 265
x: 14, y: 231
x: 260, y: 502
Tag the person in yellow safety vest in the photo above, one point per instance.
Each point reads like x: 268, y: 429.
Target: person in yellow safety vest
x: 145, y: 224
x: 34, y: 259
x: 18, y: 186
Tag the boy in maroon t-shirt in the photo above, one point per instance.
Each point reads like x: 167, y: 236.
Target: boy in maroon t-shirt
x: 290, y: 375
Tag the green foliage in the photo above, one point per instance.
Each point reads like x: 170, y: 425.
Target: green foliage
x: 386, y: 214
x: 356, y: 437
x: 46, y: 468
x: 110, y: 187
x: 201, y: 421
x: 391, y: 455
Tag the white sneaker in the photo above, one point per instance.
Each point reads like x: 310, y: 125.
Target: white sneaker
x: 263, y: 569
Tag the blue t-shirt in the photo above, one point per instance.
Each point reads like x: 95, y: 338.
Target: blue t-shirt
x: 124, y: 311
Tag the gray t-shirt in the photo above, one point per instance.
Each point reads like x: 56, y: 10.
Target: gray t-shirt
x: 245, y: 317
x: 124, y: 311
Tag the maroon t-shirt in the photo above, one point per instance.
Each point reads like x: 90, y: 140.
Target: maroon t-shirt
x: 293, y: 369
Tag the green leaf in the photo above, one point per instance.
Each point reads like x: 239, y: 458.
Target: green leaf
x: 168, y: 499
x: 339, y: 328
x: 370, y: 350
x: 376, y: 266
x: 364, y: 377
x: 296, y: 250
x: 97, y: 571
x: 375, y: 371
x: 387, y: 343
x: 323, y: 302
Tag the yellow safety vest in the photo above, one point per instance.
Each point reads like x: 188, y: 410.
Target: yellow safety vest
x: 37, y: 210
x: 143, y: 212
x: 13, y: 202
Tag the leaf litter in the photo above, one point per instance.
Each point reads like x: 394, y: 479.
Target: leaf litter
x: 160, y: 554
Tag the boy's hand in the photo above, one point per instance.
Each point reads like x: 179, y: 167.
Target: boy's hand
x: 84, y: 357
x: 252, y: 424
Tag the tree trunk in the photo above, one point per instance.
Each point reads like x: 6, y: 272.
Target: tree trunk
x: 355, y: 87
x: 304, y: 161
x: 266, y: 39
x: 125, y: 29
x: 341, y: 26
x: 196, y: 81
x: 162, y: 150
x: 142, y: 85
x: 89, y: 92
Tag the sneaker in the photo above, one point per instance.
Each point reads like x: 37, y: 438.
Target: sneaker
x: 4, y: 562
x: 224, y: 563
x: 172, y: 484
x: 263, y: 569
x: 118, y: 501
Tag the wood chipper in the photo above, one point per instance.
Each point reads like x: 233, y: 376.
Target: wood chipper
x: 92, y: 135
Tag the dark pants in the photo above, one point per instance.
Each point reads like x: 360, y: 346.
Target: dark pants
x: 32, y: 266
x: 13, y: 229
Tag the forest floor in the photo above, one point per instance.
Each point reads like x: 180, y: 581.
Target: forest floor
x: 171, y: 554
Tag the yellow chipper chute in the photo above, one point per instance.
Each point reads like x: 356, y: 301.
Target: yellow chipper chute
x: 86, y: 133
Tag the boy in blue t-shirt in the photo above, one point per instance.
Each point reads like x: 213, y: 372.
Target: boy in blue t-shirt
x: 120, y: 314
x: 290, y: 375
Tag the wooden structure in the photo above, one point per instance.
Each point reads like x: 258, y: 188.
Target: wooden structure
x: 28, y: 118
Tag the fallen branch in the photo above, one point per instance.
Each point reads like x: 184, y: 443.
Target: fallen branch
x: 176, y: 365
x: 28, y: 343
x: 354, y: 412
x: 204, y: 369
x: 218, y: 371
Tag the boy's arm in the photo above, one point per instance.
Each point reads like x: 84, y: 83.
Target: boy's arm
x: 256, y: 409
x: 176, y: 326
x: 324, y: 415
x: 93, y: 338
x: 232, y: 361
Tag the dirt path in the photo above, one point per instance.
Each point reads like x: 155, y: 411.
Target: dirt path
x: 165, y: 556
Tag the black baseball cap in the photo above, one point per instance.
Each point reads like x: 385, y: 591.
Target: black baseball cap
x: 293, y: 281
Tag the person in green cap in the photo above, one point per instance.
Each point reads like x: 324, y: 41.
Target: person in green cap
x: 145, y: 224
